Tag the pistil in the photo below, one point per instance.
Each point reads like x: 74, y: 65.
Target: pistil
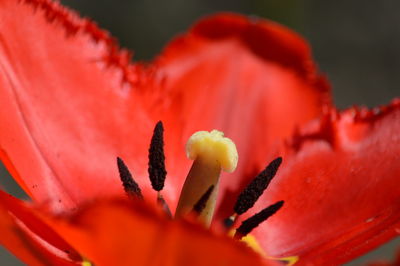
x: 211, y: 152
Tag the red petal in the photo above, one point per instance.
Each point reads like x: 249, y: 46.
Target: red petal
x: 121, y: 233
x: 114, y: 233
x: 340, y: 183
x: 29, y: 238
x: 251, y: 78
x: 73, y: 103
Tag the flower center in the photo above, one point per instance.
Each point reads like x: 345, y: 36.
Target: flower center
x: 212, y: 153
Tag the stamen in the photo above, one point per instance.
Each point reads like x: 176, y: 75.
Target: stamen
x: 211, y: 152
x: 130, y: 186
x: 254, y: 190
x: 249, y: 224
x: 201, y: 204
x: 157, y: 172
x: 161, y: 201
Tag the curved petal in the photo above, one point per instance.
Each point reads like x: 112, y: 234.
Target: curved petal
x: 74, y: 103
x: 70, y: 102
x: 250, y: 78
x: 29, y: 238
x: 340, y: 183
x: 126, y: 233
x: 122, y: 233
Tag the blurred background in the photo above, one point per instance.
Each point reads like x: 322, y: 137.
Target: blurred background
x: 356, y: 43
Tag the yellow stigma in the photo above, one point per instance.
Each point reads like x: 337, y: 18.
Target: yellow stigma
x: 211, y: 152
x: 213, y: 146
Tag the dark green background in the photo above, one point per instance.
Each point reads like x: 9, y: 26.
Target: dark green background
x: 356, y: 43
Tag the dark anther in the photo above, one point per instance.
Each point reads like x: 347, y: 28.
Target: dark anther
x: 254, y: 190
x: 130, y: 186
x: 157, y: 172
x: 249, y: 224
x: 202, y: 202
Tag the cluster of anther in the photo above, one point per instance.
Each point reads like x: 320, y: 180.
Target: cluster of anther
x: 249, y: 197
x: 246, y: 199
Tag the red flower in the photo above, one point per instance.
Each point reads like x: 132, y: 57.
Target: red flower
x: 72, y: 103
